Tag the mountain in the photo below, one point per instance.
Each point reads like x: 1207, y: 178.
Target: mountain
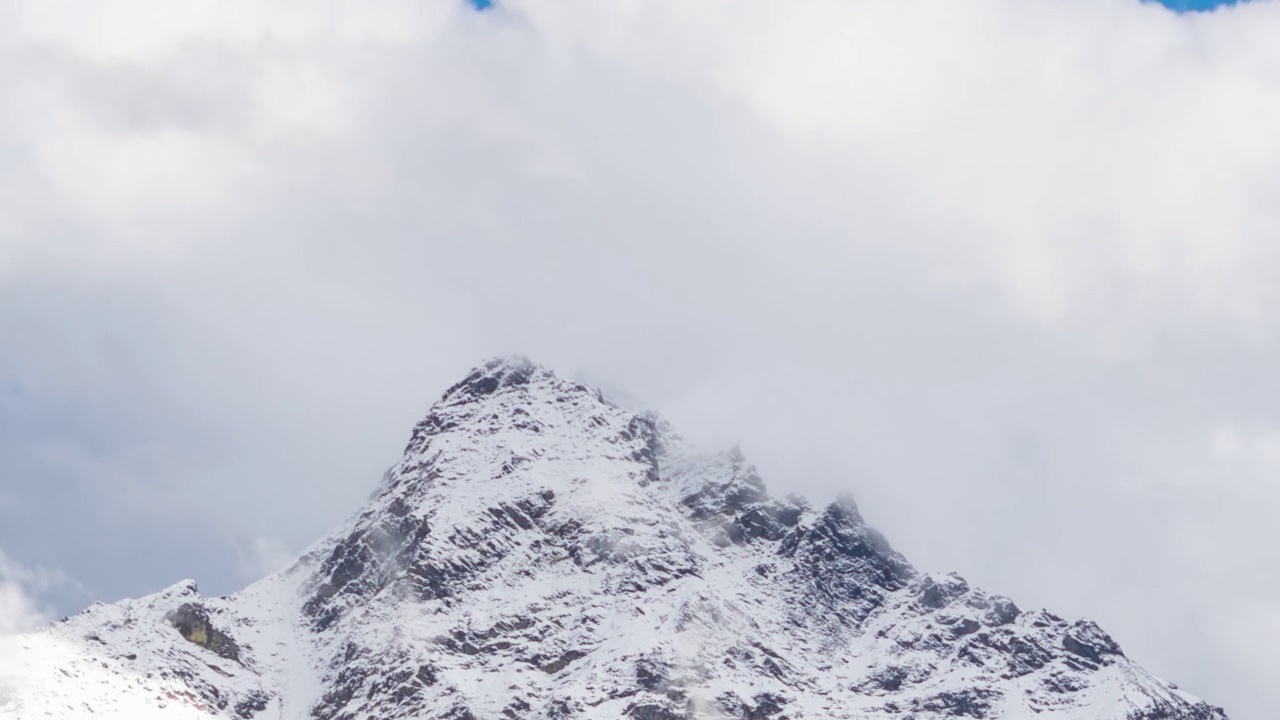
x: 541, y: 552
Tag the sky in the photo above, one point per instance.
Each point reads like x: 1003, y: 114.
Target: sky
x: 1179, y: 5
x: 1006, y: 271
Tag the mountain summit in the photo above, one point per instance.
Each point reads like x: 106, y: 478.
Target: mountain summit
x: 541, y: 552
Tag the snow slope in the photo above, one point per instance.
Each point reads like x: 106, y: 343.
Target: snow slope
x: 541, y: 552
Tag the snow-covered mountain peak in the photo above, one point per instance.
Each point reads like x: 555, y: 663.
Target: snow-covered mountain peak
x: 498, y: 373
x: 542, y: 552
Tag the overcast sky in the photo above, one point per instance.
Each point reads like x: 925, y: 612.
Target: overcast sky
x: 1006, y: 270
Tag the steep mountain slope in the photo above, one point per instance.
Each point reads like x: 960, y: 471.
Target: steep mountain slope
x: 540, y: 552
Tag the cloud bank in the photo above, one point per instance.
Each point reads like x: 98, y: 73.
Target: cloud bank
x: 1006, y: 270
x: 21, y: 608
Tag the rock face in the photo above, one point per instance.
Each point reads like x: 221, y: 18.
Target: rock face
x: 192, y: 621
x: 539, y: 552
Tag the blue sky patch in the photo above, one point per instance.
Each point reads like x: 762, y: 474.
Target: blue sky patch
x: 1196, y: 5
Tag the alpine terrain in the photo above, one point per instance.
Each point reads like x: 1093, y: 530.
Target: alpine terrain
x: 542, y: 551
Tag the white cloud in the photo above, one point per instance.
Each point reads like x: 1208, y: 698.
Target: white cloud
x: 18, y: 610
x: 1007, y: 269
x: 20, y: 586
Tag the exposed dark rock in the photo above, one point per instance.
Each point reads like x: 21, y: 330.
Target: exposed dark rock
x: 936, y: 594
x: 888, y: 679
x: 517, y: 708
x: 252, y: 704
x: 966, y: 626
x: 1025, y: 655
x: 495, y: 374
x: 364, y: 563
x: 192, y: 621
x: 845, y: 563
x: 973, y: 702
x: 763, y: 706
x: 560, y: 663
x: 654, y: 711
x: 652, y: 674
x: 1164, y: 711
x: 1062, y: 683
x: 1087, y: 640
x: 560, y: 708
x: 357, y: 689
x: 767, y: 705
x: 349, y: 681
x: 644, y: 428
x: 1002, y: 612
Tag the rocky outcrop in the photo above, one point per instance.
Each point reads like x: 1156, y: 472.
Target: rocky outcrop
x: 192, y: 621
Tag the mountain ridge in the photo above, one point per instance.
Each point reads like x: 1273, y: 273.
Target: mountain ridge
x: 541, y: 552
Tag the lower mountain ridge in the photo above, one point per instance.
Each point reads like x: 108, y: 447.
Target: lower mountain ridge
x: 542, y: 552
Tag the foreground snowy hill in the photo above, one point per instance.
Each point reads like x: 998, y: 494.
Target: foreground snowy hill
x: 541, y: 552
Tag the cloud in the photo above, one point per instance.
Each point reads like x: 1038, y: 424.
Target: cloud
x: 20, y: 607
x: 1004, y: 269
x: 18, y: 611
x: 262, y: 556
